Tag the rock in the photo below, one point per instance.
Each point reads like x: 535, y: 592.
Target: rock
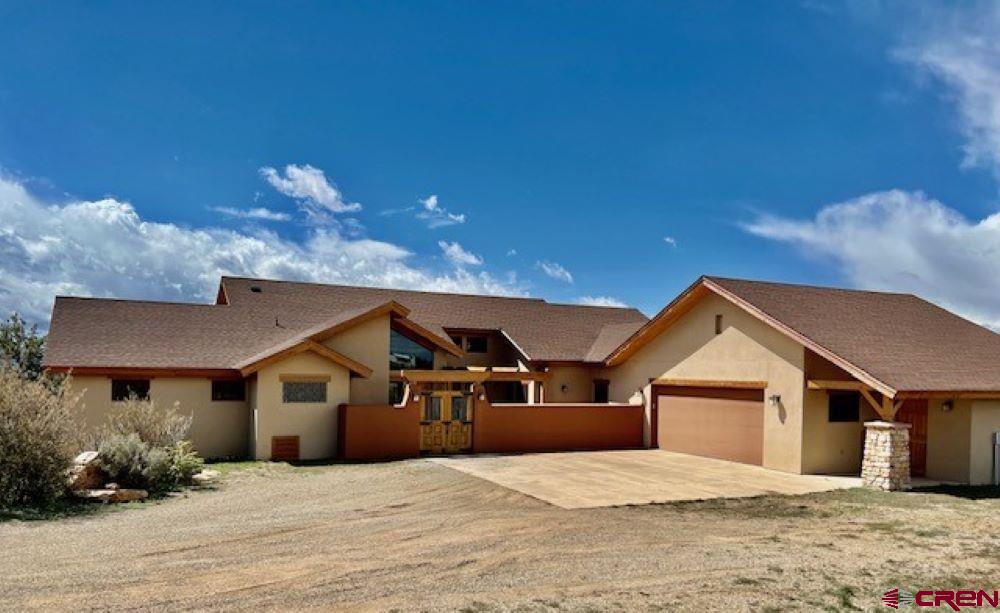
x: 85, y: 473
x: 205, y: 477
x: 112, y: 486
x: 106, y: 495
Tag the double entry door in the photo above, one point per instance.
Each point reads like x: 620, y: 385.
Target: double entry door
x: 446, y: 422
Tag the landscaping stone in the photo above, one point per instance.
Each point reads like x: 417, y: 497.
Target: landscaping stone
x: 109, y: 495
x: 85, y: 473
x: 886, y: 462
x: 205, y: 477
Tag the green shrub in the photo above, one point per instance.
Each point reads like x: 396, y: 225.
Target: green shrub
x: 154, y: 426
x: 131, y: 462
x: 37, y: 435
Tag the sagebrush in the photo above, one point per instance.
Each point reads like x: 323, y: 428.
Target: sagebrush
x: 155, y: 426
x: 37, y: 439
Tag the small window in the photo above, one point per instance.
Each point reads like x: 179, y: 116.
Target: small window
x: 228, y: 390
x: 122, y: 389
x: 718, y: 324
x: 844, y: 407
x: 303, y: 391
x: 601, y: 393
x: 477, y: 344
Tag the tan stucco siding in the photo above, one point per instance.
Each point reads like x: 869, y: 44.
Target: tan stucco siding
x: 314, y: 424
x: 746, y: 350
x: 831, y: 448
x: 578, y: 381
x: 367, y: 343
x: 948, y: 441
x: 985, y: 421
x: 218, y: 429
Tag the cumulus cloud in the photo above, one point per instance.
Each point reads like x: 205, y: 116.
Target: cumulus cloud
x: 309, y: 185
x: 435, y: 215
x: 105, y: 248
x: 904, y: 241
x: 258, y: 213
x: 670, y: 241
x: 601, y: 301
x: 458, y: 256
x: 961, y: 49
x: 556, y: 271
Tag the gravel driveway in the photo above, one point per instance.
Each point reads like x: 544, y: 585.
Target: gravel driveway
x: 419, y: 536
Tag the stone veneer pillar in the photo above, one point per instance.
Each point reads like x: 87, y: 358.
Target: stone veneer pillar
x: 886, y: 462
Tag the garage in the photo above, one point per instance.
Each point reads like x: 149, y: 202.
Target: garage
x: 714, y: 422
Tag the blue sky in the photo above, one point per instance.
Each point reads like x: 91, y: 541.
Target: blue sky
x: 575, y: 151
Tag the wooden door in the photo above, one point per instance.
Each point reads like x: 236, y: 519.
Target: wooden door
x: 914, y: 412
x: 446, y: 423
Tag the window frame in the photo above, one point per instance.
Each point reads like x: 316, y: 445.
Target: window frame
x: 219, y: 397
x: 842, y: 417
x: 116, y: 395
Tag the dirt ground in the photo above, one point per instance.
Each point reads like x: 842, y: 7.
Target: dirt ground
x: 419, y: 536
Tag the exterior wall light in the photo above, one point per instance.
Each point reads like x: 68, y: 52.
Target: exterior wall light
x: 482, y: 396
x: 774, y: 399
x: 564, y: 388
x: 416, y: 397
x: 947, y: 406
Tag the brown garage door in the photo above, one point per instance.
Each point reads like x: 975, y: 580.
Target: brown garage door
x: 714, y: 422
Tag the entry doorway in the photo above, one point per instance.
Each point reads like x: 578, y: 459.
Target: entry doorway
x: 446, y: 419
x: 914, y: 412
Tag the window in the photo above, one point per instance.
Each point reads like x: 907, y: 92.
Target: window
x: 718, y: 324
x: 601, y: 393
x: 228, y: 390
x: 844, y: 406
x: 457, y: 340
x: 303, y: 391
x: 122, y: 389
x: 405, y: 354
x: 477, y: 344
x: 396, y: 391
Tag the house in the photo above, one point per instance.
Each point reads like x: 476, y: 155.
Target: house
x: 789, y: 377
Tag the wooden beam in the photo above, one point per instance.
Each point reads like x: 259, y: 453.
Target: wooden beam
x: 415, y: 328
x: 871, y: 400
x: 444, y: 376
x: 950, y: 395
x: 889, y: 409
x: 748, y: 385
x: 827, y: 384
x: 145, y: 373
x: 309, y: 345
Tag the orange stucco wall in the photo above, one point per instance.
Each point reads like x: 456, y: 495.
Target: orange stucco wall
x: 556, y: 427
x: 379, y: 431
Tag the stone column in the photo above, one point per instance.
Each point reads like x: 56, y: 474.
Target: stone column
x: 886, y: 463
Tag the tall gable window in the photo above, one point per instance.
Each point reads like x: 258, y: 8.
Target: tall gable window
x: 228, y: 389
x: 303, y: 392
x: 844, y: 406
x: 122, y: 389
x: 405, y: 354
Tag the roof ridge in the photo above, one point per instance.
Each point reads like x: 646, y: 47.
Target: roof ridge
x: 387, y: 289
x: 812, y: 286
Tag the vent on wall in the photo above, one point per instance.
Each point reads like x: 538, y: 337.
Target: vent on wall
x: 255, y: 289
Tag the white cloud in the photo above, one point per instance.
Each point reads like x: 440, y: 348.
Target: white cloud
x: 435, y: 215
x: 309, y: 186
x: 511, y: 253
x: 556, y: 271
x: 907, y: 242
x: 459, y: 256
x: 961, y: 49
x: 260, y: 213
x: 105, y: 248
x: 670, y: 241
x: 601, y: 301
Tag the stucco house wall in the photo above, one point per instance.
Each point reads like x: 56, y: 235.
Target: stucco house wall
x: 746, y: 350
x: 577, y: 379
x: 314, y: 424
x: 368, y: 343
x: 218, y: 429
x: 985, y: 420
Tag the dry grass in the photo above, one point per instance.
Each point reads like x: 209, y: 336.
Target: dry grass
x: 418, y: 536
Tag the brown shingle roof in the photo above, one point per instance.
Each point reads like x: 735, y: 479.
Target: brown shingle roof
x: 88, y: 332
x: 902, y: 340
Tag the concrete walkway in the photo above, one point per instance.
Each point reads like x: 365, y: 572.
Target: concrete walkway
x: 610, y: 478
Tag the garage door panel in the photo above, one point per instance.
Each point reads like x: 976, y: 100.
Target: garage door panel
x: 702, y: 423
